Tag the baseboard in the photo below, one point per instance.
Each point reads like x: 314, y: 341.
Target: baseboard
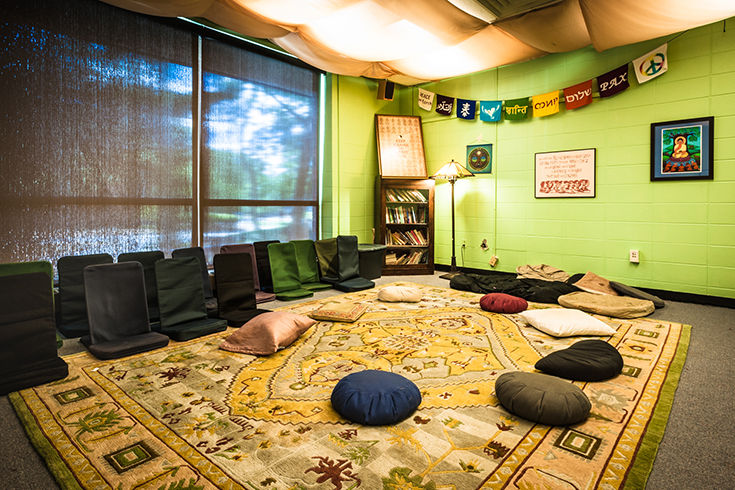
x: 697, y: 299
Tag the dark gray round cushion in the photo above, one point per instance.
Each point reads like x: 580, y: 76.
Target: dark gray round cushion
x: 542, y: 398
x: 375, y: 397
x: 587, y: 360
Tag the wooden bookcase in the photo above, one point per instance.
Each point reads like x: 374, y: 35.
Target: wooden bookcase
x: 404, y: 220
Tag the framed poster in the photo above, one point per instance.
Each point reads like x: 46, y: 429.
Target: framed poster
x: 565, y: 173
x: 400, y: 147
x: 683, y: 150
x: 480, y: 158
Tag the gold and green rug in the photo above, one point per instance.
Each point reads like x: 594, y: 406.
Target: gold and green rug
x: 192, y: 416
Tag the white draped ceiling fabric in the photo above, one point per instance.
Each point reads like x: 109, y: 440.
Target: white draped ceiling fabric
x: 414, y: 41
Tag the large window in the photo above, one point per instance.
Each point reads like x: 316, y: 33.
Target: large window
x: 121, y: 133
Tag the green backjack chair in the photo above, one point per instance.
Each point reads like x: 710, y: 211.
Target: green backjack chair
x: 326, y: 252
x: 308, y: 266
x: 285, y: 272
x: 29, y: 354
x: 181, y: 303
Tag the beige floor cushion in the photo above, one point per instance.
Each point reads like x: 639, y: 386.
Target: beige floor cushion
x: 602, y: 304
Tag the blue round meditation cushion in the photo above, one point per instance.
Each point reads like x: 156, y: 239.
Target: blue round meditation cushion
x: 375, y: 397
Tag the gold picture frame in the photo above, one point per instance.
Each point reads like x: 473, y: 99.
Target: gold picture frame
x: 400, y: 147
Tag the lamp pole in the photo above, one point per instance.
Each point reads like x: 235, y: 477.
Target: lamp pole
x: 453, y: 268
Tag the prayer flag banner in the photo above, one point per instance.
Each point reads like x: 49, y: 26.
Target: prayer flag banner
x: 578, y: 95
x: 466, y: 109
x: 516, y: 109
x: 546, y: 104
x: 490, y: 110
x: 444, y: 104
x: 652, y: 65
x: 426, y: 99
x: 613, y: 82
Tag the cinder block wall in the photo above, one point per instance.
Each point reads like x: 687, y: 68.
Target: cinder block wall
x: 684, y: 231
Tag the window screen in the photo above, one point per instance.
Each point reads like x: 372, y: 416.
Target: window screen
x: 98, y: 136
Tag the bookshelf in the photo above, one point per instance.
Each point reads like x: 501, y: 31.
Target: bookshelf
x: 404, y: 217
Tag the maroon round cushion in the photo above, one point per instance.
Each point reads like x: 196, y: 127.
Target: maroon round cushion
x: 502, y: 303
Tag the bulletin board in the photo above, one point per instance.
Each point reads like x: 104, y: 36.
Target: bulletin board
x: 400, y: 147
x: 565, y: 173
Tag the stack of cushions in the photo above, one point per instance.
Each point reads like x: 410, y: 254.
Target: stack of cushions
x: 542, y: 398
x: 503, y: 303
x: 267, y: 333
x: 374, y: 397
x: 339, y: 312
x: 562, y: 322
x: 614, y: 306
x: 587, y: 360
x: 399, y: 294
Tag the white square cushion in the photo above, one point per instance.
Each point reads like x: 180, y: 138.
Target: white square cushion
x: 563, y: 322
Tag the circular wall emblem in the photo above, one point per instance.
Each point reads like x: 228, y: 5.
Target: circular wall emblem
x: 479, y: 159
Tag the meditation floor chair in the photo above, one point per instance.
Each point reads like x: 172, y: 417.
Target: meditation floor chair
x: 308, y: 266
x: 198, y: 252
x: 233, y: 278
x: 117, y: 309
x: 147, y: 259
x: 181, y: 303
x: 348, y: 263
x: 285, y: 272
x: 28, y: 356
x: 264, y: 264
x: 248, y: 248
x: 72, y: 302
x: 326, y: 252
x: 15, y: 268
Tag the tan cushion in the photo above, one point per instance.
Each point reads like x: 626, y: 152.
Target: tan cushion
x: 592, y: 283
x: 614, y: 306
x: 399, y: 294
x: 339, y: 312
x: 267, y: 333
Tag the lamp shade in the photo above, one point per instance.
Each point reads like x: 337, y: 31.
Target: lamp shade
x: 452, y: 171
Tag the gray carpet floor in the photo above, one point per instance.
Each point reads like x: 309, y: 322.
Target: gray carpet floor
x: 697, y: 450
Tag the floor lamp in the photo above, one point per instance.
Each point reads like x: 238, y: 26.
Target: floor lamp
x: 452, y: 172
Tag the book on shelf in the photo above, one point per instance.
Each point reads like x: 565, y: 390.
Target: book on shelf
x: 404, y: 195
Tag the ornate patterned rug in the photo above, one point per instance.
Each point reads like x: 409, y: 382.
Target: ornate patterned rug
x: 192, y: 416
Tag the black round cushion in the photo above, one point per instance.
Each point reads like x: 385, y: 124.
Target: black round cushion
x: 375, y: 397
x: 542, y: 398
x: 503, y: 303
x: 587, y: 360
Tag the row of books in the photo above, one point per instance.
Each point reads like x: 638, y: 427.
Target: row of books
x: 415, y: 257
x: 406, y: 237
x: 404, y: 195
x: 405, y: 214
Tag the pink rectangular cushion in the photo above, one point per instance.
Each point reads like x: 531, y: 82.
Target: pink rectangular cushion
x: 267, y: 333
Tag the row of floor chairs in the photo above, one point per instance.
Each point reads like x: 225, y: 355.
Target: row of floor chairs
x: 144, y: 299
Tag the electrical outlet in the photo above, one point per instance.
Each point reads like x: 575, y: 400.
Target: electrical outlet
x: 635, y: 256
x: 464, y: 242
x: 493, y: 260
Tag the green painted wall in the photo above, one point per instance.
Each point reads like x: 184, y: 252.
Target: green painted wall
x: 685, y: 231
